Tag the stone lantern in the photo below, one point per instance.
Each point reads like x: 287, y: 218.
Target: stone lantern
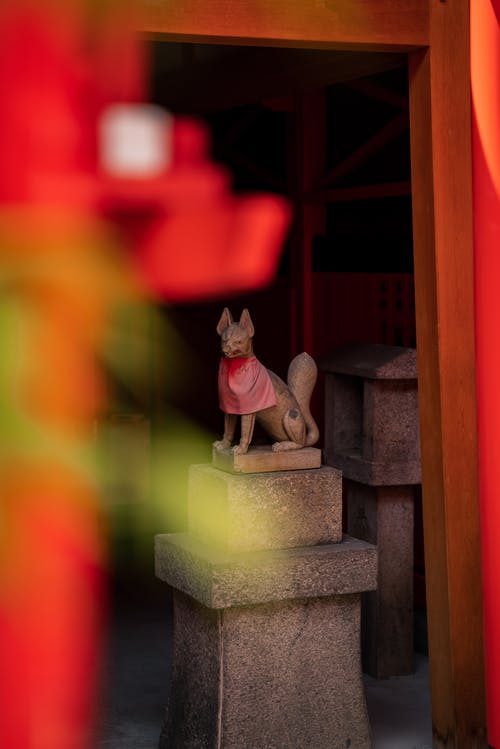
x: 372, y: 436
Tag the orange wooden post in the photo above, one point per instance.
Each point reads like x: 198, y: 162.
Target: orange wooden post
x: 444, y: 290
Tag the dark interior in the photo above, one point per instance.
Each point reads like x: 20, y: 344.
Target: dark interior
x: 361, y: 264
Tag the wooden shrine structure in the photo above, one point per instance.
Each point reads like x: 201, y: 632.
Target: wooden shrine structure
x: 435, y: 37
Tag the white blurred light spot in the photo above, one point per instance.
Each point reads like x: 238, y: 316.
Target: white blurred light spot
x: 135, y: 140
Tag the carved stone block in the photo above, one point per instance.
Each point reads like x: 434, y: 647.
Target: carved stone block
x: 247, y: 512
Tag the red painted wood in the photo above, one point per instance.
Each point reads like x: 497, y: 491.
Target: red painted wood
x: 485, y: 74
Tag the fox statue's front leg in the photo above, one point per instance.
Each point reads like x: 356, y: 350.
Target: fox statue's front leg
x: 247, y: 425
x: 229, y: 430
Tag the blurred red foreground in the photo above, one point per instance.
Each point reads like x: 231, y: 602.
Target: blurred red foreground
x: 184, y: 236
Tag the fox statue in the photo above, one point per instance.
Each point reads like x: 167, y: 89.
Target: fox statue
x: 249, y: 390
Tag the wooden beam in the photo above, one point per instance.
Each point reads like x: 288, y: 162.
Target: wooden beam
x: 444, y: 277
x: 268, y: 178
x: 239, y: 76
x: 386, y: 134
x: 371, y: 24
x: 246, y: 119
x: 381, y: 93
x: 360, y: 192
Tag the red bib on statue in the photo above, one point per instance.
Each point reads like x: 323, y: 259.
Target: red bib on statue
x: 244, y: 386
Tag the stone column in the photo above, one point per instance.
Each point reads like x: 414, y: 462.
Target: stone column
x: 266, y: 614
x: 372, y: 435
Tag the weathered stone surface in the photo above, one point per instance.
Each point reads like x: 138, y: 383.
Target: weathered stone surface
x: 248, y: 512
x: 373, y: 361
x: 374, y: 473
x: 384, y: 516
x: 193, y: 705
x: 261, y: 459
x: 371, y: 415
x: 390, y: 419
x: 279, y: 675
x: 219, y: 579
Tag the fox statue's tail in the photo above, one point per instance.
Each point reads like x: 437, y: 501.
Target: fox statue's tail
x: 302, y: 375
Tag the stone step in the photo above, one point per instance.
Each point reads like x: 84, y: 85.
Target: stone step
x: 219, y: 579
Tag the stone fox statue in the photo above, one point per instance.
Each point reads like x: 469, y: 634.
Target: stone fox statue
x: 249, y: 390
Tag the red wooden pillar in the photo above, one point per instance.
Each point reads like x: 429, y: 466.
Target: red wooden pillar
x: 485, y: 75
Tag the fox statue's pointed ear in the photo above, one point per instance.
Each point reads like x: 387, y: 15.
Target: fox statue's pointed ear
x: 226, y: 319
x: 246, y: 323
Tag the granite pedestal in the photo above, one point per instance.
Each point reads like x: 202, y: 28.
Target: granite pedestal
x: 275, y: 510
x: 266, y: 615
x: 372, y: 435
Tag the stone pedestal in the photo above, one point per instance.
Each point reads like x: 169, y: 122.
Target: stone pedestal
x: 372, y: 435
x: 258, y: 511
x: 266, y: 615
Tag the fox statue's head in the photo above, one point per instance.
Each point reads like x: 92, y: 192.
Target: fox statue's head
x: 236, y: 337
